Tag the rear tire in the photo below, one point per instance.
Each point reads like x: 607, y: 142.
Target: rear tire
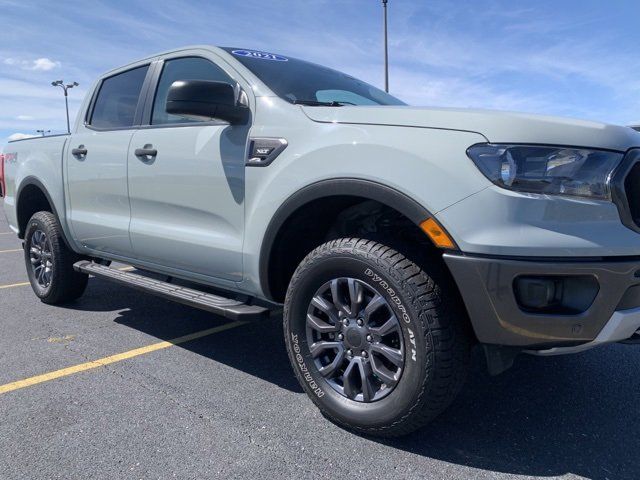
x: 431, y: 333
x: 50, y: 262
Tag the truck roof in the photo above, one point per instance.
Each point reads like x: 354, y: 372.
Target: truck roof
x: 166, y: 52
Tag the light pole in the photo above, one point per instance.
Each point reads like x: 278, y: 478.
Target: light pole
x: 386, y: 50
x: 43, y: 132
x: 60, y: 83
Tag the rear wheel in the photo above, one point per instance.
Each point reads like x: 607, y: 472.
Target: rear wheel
x: 378, y: 343
x: 50, y: 262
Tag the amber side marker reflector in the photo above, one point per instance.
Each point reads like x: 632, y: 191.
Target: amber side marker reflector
x: 437, y: 234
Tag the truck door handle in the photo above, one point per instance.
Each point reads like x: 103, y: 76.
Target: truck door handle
x: 147, y: 151
x: 81, y: 151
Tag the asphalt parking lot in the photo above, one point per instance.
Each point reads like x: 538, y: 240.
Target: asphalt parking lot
x: 226, y: 404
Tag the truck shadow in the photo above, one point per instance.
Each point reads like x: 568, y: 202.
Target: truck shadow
x: 244, y: 348
x: 545, y: 417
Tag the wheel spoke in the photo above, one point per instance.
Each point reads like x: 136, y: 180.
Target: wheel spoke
x: 329, y: 370
x: 355, y: 295
x: 318, y: 348
x: 368, y: 389
x: 324, y: 306
x: 46, y: 277
x: 391, y: 354
x: 39, y: 238
x: 350, y: 389
x: 391, y: 325
x: 383, y: 373
x: 359, y: 371
x: 320, y: 325
x: 40, y: 274
x: 337, y: 300
x: 376, y: 302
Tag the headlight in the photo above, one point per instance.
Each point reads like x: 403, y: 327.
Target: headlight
x: 547, y: 169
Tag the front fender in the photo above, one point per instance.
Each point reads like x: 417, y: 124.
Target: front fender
x: 428, y: 166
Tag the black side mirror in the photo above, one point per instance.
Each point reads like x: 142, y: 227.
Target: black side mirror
x: 204, y: 100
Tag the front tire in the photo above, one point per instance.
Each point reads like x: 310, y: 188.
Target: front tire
x: 378, y: 343
x: 50, y: 262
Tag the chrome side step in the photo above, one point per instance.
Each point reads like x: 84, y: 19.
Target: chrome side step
x: 226, y: 307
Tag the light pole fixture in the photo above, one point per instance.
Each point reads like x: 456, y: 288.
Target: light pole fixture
x: 386, y: 50
x: 43, y: 132
x: 61, y: 84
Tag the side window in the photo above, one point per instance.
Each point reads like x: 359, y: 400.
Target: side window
x: 190, y: 68
x: 117, y: 99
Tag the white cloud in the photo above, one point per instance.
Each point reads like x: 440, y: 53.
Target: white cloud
x: 20, y: 136
x: 24, y: 117
x: 42, y: 64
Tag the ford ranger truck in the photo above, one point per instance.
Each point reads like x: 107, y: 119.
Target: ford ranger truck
x: 396, y: 238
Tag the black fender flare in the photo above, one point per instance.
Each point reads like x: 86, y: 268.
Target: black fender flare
x: 31, y: 180
x: 356, y: 187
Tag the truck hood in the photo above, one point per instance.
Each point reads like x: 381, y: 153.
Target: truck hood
x: 495, y: 126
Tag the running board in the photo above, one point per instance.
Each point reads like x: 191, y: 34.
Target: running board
x: 226, y: 307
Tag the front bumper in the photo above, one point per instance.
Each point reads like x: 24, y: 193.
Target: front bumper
x: 487, y: 288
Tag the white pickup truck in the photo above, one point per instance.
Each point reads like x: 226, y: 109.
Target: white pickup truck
x: 396, y: 237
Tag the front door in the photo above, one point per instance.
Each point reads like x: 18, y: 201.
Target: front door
x: 96, y: 163
x: 186, y: 184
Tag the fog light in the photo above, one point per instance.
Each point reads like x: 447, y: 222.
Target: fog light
x: 555, y: 294
x: 537, y: 293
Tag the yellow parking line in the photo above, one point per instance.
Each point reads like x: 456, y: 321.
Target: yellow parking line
x: 24, y: 284
x: 101, y: 362
x: 7, y: 233
x: 13, y: 250
x: 11, y: 285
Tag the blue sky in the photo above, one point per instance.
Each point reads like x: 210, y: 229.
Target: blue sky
x: 571, y: 58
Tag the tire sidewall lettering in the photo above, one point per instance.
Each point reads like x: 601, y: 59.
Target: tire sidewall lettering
x: 396, y: 301
x: 302, y: 366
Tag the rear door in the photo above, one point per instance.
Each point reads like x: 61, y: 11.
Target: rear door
x: 99, y: 211
x: 187, y: 201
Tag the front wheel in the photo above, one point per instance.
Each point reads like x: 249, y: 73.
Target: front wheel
x: 50, y: 262
x: 378, y: 343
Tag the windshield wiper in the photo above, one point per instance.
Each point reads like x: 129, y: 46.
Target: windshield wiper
x: 316, y: 103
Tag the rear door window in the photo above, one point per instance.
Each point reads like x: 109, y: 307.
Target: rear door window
x: 188, y: 68
x: 115, y: 105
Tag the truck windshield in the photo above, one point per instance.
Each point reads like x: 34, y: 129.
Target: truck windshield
x: 306, y: 83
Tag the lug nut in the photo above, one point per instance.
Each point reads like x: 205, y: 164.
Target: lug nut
x: 349, y: 352
x: 345, y: 322
x: 360, y: 322
x: 369, y: 338
x: 340, y: 336
x: 365, y: 354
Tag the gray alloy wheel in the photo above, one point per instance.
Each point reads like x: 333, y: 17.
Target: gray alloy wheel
x: 41, y: 258
x: 355, y: 339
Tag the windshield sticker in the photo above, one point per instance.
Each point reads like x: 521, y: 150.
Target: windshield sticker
x: 260, y: 55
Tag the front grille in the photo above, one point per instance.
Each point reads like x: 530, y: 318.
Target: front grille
x: 632, y: 192
x: 625, y: 189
